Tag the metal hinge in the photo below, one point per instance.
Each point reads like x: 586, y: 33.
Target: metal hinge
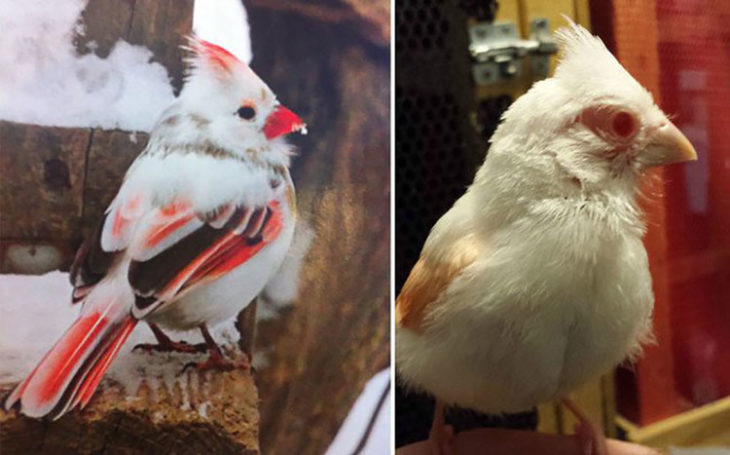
x: 499, y: 52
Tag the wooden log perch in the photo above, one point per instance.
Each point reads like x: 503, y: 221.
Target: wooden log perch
x: 213, y: 413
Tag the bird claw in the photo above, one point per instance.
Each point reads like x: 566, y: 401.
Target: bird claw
x: 219, y: 363
x: 174, y: 346
x: 441, y: 435
x: 442, y: 441
x: 590, y: 439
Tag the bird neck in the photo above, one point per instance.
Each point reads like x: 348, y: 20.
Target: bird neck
x: 505, y: 192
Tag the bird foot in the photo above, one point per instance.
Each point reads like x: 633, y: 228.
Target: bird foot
x: 590, y: 438
x: 172, y: 346
x: 441, y: 440
x: 216, y: 361
x: 591, y: 441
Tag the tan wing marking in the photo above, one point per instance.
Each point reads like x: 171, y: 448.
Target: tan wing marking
x: 428, y: 279
x: 290, y: 192
x: 291, y: 199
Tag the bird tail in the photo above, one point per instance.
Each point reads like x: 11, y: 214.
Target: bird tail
x: 70, y: 372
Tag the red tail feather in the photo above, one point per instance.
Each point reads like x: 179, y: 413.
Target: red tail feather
x: 70, y: 372
x: 94, y: 378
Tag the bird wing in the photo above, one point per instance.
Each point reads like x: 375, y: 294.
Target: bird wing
x: 429, y: 278
x: 172, y: 249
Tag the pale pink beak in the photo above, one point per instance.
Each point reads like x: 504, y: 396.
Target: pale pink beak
x: 283, y: 121
x: 667, y: 146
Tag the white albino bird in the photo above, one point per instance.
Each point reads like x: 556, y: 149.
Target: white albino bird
x: 202, y: 221
x: 536, y: 280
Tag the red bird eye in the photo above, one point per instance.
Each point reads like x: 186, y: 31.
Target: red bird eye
x: 623, y: 124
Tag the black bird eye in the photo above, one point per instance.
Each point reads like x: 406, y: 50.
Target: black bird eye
x: 246, y: 112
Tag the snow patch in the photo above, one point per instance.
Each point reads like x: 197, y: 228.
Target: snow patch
x: 32, y: 318
x: 203, y: 409
x: 165, y: 369
x: 35, y: 259
x: 225, y: 23
x: 43, y: 81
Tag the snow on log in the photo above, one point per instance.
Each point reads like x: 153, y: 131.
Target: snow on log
x: 159, y: 25
x: 146, y: 401
x: 212, y: 413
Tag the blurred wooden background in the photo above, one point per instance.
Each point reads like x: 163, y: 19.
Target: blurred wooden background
x: 334, y: 71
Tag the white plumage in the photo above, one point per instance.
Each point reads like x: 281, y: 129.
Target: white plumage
x: 536, y: 280
x: 202, y: 221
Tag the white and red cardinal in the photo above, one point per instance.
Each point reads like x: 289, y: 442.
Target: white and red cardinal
x: 202, y: 221
x: 536, y: 280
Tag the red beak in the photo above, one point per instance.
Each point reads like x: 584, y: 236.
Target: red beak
x: 283, y: 121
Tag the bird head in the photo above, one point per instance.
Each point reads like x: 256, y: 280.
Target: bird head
x: 591, y: 126
x: 225, y: 103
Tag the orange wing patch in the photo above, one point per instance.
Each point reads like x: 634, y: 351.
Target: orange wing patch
x: 428, y: 279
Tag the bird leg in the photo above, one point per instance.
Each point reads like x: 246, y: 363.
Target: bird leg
x: 590, y: 438
x: 165, y: 344
x: 216, y: 360
x: 441, y: 436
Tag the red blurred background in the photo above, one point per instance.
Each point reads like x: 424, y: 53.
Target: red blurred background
x: 680, y: 50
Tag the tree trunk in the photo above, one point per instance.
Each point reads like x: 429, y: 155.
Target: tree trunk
x: 334, y: 72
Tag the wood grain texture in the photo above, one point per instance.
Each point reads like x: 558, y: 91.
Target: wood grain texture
x: 42, y: 188
x: 57, y: 182
x: 161, y: 26
x: 370, y: 19
x: 707, y: 426
x: 105, y: 22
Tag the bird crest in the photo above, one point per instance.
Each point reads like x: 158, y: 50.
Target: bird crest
x: 204, y: 57
x: 586, y: 63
